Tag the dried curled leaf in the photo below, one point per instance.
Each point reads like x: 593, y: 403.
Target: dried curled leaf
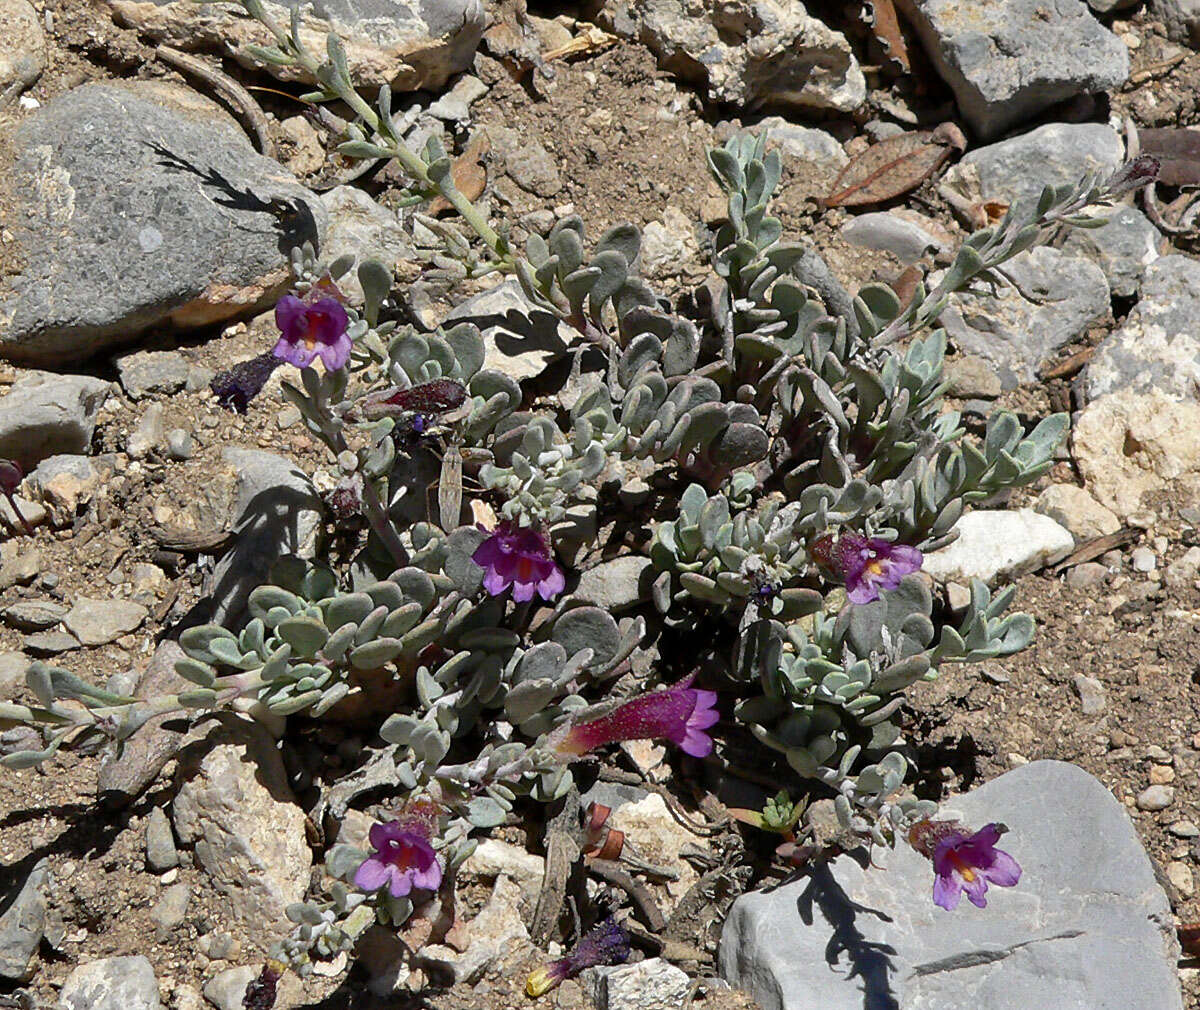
x: 880, y: 15
x: 1178, y: 154
x: 894, y: 166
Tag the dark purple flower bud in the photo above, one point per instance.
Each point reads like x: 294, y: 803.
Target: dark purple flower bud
x: 1135, y: 174
x: 345, y: 500
x: 261, y: 991
x: 606, y: 943
x: 680, y: 713
x: 239, y: 385
x: 866, y: 566
x: 963, y: 863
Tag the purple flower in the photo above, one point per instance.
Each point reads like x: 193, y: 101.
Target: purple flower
x: 607, y: 943
x: 403, y: 859
x: 963, y: 862
x: 11, y: 476
x: 237, y: 386
x: 866, y: 566
x: 518, y: 556
x: 311, y: 329
x: 680, y: 713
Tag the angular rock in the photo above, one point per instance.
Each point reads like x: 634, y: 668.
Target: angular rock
x: 1127, y: 444
x: 1007, y: 60
x: 653, y: 984
x: 803, y: 143
x: 279, y: 513
x: 22, y: 48
x: 493, y: 858
x: 149, y: 433
x: 361, y: 227
x: 1123, y: 248
x: 409, y: 47
x: 659, y: 838
x: 226, y: 989
x: 146, y: 372
x: 44, y: 414
x: 1057, y: 297
x: 1088, y: 917
x: 33, y: 615
x: 170, y: 910
x: 97, y: 622
x: 906, y: 235
x: 1092, y: 696
x: 234, y: 804
x: 526, y: 161
x: 497, y: 931
x: 748, y: 52
x: 1076, y: 510
x: 1181, y: 17
x: 969, y: 376
x: 669, y: 247
x: 1182, y: 572
x: 65, y: 484
x: 12, y: 673
x: 519, y: 339
x: 125, y: 773
x: 614, y: 585
x: 112, y: 983
x: 999, y: 546
x: 161, y: 854
x: 161, y: 190
x: 22, y: 924
x: 1057, y: 154
x: 1158, y: 347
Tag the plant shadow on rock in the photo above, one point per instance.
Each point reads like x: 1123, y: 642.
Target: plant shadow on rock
x: 870, y: 961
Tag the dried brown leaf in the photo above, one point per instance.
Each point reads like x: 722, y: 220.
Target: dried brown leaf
x: 1178, y: 153
x: 894, y: 166
x: 885, y: 26
x: 469, y: 174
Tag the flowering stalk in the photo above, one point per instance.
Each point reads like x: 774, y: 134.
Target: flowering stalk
x: 607, y: 943
x: 680, y: 713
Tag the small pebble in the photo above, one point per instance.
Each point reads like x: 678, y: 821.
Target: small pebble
x: 1184, y: 829
x: 180, y: 444
x: 1157, y: 797
x: 1143, y: 559
x: 1180, y: 875
x: 1161, y: 775
x: 1086, y: 576
x: 1157, y: 754
x: 288, y: 416
x: 1091, y: 693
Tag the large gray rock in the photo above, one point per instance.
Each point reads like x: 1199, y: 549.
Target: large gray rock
x: 44, y: 414
x: 22, y: 925
x: 1057, y: 154
x: 1007, y: 60
x: 1181, y: 17
x: 234, y: 804
x: 135, y: 204
x: 1087, y: 928
x: 1123, y: 248
x: 409, y: 45
x: 999, y: 546
x: 1056, y: 298
x: 22, y: 48
x: 1158, y: 347
x: 746, y: 52
x: 279, y: 513
x: 112, y: 983
x: 360, y: 227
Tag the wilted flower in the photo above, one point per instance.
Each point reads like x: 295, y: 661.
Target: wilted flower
x: 680, y: 713
x: 237, y: 386
x: 963, y: 862
x: 866, y: 565
x: 606, y: 943
x: 313, y: 327
x: 518, y: 556
x: 403, y: 858
x: 11, y: 476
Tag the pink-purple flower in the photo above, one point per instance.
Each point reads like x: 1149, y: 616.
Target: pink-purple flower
x: 606, y: 943
x: 518, y: 556
x: 865, y: 565
x: 964, y: 863
x: 312, y: 327
x: 403, y: 859
x: 680, y: 713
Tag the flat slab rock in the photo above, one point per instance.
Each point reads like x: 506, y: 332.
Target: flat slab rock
x: 999, y: 545
x: 1087, y: 928
x: 1007, y: 60
x: 137, y: 204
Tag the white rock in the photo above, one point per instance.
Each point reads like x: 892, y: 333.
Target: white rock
x: 1072, y: 507
x: 905, y: 234
x: 658, y: 838
x: 653, y: 984
x: 669, y: 246
x: 495, y: 858
x: 1000, y: 546
x: 113, y: 983
x: 803, y: 143
x: 495, y: 932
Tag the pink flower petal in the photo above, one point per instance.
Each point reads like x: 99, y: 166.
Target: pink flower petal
x: 947, y: 891
x: 371, y: 875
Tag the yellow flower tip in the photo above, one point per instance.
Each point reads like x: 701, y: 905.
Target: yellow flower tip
x: 539, y: 983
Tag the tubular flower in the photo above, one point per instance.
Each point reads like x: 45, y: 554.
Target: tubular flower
x: 866, y: 565
x: 607, y: 943
x: 680, y: 713
x: 313, y: 327
x: 964, y: 862
x: 403, y: 858
x: 518, y: 556
x: 237, y: 386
